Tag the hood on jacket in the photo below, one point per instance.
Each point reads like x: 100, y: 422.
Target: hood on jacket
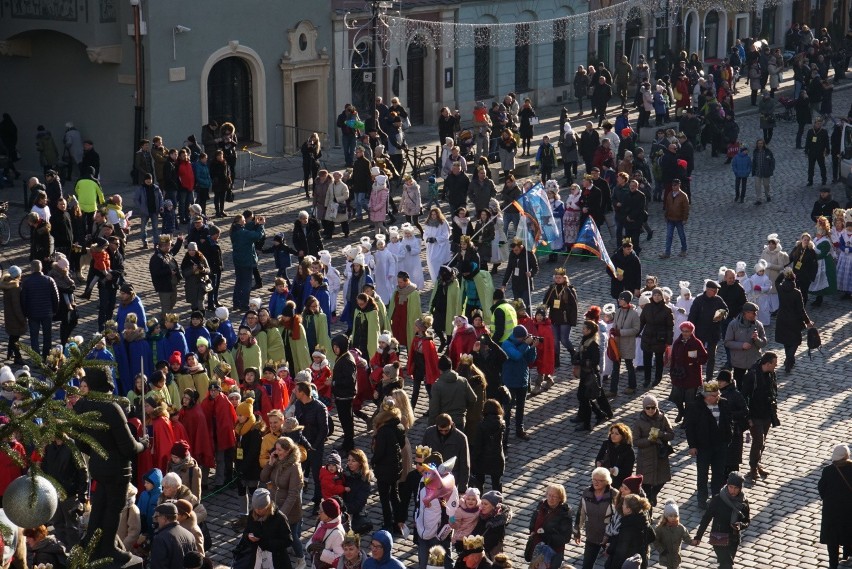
x: 155, y: 477
x: 386, y: 540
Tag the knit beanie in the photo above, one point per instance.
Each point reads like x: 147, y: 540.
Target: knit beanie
x: 180, y: 449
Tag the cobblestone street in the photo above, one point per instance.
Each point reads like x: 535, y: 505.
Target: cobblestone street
x: 815, y: 406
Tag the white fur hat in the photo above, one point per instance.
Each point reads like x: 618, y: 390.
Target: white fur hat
x: 325, y: 257
x: 645, y: 298
x: 722, y: 270
x: 365, y: 241
x: 380, y: 238
x: 222, y: 313
x: 375, y: 171
x: 6, y: 375
x: 741, y: 266
x: 25, y: 371
x: 407, y: 228
x: 760, y: 266
x: 385, y: 337
x: 381, y: 180
x: 393, y: 230
x: 609, y: 308
x: 350, y: 251
x: 254, y: 303
x: 358, y: 260
x: 773, y: 237
x: 667, y: 292
x: 684, y: 288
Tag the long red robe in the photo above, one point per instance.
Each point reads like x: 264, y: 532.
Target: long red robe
x: 430, y: 358
x: 545, y: 361
x: 158, y: 454
x: 198, y: 435
x: 221, y: 419
x: 462, y: 343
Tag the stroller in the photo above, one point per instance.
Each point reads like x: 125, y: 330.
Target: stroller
x: 788, y: 104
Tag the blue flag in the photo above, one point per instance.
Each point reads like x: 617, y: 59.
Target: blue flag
x: 589, y: 239
x: 534, y: 206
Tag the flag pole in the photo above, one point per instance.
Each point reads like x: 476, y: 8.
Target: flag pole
x: 141, y: 368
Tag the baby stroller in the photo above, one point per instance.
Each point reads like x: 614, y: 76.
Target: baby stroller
x: 788, y: 113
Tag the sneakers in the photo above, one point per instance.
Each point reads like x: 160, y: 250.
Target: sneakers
x: 663, y: 255
x: 682, y: 254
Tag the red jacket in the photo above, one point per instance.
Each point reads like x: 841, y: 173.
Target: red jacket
x: 378, y: 363
x: 685, y: 371
x: 462, y: 343
x: 430, y: 358
x: 8, y: 469
x: 221, y: 418
x: 331, y: 484
x: 545, y: 361
x: 276, y: 396
x: 186, y: 177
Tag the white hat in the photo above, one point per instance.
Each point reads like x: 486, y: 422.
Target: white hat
x: 254, y: 302
x: 741, y: 266
x: 393, y: 230
x: 670, y: 510
x: 358, y: 260
x: 381, y: 180
x: 366, y: 242
x: 840, y: 452
x: 684, y: 288
x: 385, y: 337
x: 567, y: 128
x: 773, y: 237
x: 380, y: 149
x: 374, y: 171
x: 645, y: 298
x: 609, y: 308
x: 192, y: 246
x: 222, y: 313
x: 667, y: 292
x: 303, y: 376
x: 722, y: 270
x: 407, y: 228
x: 25, y: 371
x: 6, y: 375
x: 317, y: 354
x: 325, y: 257
x: 348, y: 252
x: 760, y: 266
x: 195, y: 208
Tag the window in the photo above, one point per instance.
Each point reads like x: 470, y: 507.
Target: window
x: 522, y: 57
x: 229, y: 96
x: 560, y: 53
x: 482, y: 63
x: 661, y: 36
x: 604, y: 35
x: 767, y: 25
x: 711, y: 34
x: 362, y: 62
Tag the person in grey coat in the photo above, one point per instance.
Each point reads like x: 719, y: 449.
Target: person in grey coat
x: 745, y: 338
x: 451, y: 395
x: 445, y: 438
x: 481, y: 189
x: 171, y: 541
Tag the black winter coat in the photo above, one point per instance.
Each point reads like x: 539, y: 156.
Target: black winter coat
x: 275, y: 537
x: 486, y: 452
x: 720, y: 513
x: 117, y: 441
x: 701, y: 428
x: 701, y: 314
x: 455, y: 189
x: 657, y: 326
x: 760, y: 390
x: 557, y: 525
x: 792, y: 318
x: 311, y: 241
x: 566, y: 296
x: 343, y: 377
x: 387, y: 451
x: 39, y: 296
x: 358, y: 494
x: 621, y: 456
x: 634, y: 536
x: 61, y: 229
x: 632, y: 267
x: 836, y: 495
x: 248, y: 467
x: 734, y: 296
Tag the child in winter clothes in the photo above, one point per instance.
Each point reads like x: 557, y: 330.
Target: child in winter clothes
x: 169, y: 219
x: 321, y: 377
x: 387, y: 353
x: 741, y: 165
x: 100, y: 265
x: 479, y: 323
x: 148, y: 498
x: 466, y: 516
x: 379, y: 203
x: 332, y: 482
x: 545, y: 358
x: 281, y: 253
x: 130, y: 522
x: 363, y: 385
x: 671, y: 535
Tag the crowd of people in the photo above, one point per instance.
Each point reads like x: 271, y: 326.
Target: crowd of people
x: 246, y: 398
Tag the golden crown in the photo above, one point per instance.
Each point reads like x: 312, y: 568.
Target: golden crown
x: 473, y: 542
x: 436, y: 556
x: 466, y: 359
x: 422, y: 452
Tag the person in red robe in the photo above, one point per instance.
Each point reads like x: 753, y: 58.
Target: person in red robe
x: 177, y: 427
x: 221, y: 419
x: 422, y: 358
x: 464, y: 337
x: 9, y: 469
x: 198, y: 435
x: 545, y: 361
x: 161, y: 435
x: 276, y: 394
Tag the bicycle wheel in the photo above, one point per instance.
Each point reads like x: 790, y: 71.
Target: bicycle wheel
x: 5, y: 231
x: 427, y: 166
x: 24, y: 229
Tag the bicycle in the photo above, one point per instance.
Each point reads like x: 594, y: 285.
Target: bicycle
x: 418, y: 161
x: 24, y: 228
x: 5, y: 230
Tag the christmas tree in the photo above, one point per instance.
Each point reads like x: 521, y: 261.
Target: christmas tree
x: 38, y: 414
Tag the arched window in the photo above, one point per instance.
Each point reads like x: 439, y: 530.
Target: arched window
x: 632, y: 30
x: 711, y: 34
x: 482, y: 63
x: 522, y: 57
x: 560, y: 53
x: 229, y: 96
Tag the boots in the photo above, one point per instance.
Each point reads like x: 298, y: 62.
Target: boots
x: 548, y: 382
x: 537, y: 388
x: 763, y: 473
x: 753, y: 474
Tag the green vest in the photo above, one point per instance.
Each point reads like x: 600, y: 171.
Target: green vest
x: 510, y: 318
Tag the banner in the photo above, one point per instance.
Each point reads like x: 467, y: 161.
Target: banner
x: 537, y: 225
x: 589, y: 239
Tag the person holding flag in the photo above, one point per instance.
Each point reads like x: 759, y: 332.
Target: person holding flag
x: 521, y: 269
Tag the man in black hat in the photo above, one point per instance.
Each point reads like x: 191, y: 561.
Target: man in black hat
x: 171, y: 541
x: 111, y: 471
x: 708, y: 311
x: 824, y: 206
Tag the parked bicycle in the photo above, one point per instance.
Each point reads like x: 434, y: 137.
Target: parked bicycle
x: 24, y: 228
x: 418, y: 161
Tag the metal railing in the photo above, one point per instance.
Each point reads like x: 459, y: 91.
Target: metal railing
x: 284, y: 151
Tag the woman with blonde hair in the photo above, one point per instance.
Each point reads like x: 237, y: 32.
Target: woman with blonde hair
x: 283, y: 478
x: 825, y: 281
x: 311, y: 154
x: 387, y: 444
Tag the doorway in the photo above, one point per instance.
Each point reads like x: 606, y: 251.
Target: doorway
x: 415, y: 83
x: 229, y: 96
x: 306, y: 95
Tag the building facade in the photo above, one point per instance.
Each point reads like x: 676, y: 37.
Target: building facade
x: 264, y: 66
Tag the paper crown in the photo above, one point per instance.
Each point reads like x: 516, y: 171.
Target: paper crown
x: 627, y: 241
x: 422, y: 452
x: 559, y: 271
x: 110, y: 325
x: 131, y: 319
x: 466, y: 359
x: 425, y: 321
x: 152, y: 323
x: 351, y: 538
x: 473, y: 543
x: 172, y: 317
x: 711, y: 387
x: 436, y: 556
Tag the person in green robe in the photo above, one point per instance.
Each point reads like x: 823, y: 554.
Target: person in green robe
x: 271, y: 345
x: 315, y: 322
x: 445, y: 303
x: 826, y: 277
x: 370, y: 290
x: 192, y: 375
x: 296, y: 352
x: 365, y: 326
x: 477, y: 291
x: 246, y: 352
x: 404, y: 309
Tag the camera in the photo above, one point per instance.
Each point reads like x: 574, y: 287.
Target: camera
x: 539, y: 339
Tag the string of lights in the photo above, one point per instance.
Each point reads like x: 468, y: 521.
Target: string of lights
x: 506, y: 35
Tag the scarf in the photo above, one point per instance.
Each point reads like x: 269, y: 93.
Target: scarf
x: 402, y: 293
x: 736, y: 503
x: 434, y: 222
x: 244, y: 428
x: 323, y: 528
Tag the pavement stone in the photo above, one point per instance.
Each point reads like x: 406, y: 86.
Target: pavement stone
x: 814, y: 407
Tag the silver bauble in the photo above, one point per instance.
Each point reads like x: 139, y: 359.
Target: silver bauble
x: 19, y: 509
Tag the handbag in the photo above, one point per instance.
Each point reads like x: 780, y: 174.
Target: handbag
x: 613, y: 353
x: 229, y: 195
x: 406, y: 123
x: 534, y: 121
x: 331, y: 211
x: 719, y: 539
x: 532, y: 541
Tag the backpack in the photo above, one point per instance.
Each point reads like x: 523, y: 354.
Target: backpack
x: 814, y: 341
